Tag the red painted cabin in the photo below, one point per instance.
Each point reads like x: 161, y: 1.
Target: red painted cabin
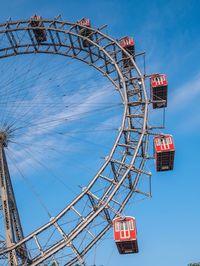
x: 125, y: 235
x: 164, y: 152
x: 40, y: 34
x: 129, y: 45
x: 158, y: 84
x: 85, y: 32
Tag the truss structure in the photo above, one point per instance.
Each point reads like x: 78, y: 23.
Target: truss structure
x: 120, y: 176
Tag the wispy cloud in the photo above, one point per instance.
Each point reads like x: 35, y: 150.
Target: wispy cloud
x: 40, y: 133
x: 184, y: 106
x: 45, y: 99
x: 186, y: 95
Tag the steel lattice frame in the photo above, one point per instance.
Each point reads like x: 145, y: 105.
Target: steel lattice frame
x: 104, y: 54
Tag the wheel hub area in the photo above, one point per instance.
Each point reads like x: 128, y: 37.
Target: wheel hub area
x: 3, y: 138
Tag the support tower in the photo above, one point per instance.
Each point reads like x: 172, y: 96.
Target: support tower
x: 13, y: 228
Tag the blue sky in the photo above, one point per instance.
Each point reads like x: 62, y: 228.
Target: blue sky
x: 168, y: 224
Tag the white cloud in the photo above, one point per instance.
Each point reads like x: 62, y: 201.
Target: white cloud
x: 186, y: 95
x: 184, y: 108
x: 43, y: 98
x: 39, y: 133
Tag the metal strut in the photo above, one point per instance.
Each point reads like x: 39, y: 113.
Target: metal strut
x: 13, y: 228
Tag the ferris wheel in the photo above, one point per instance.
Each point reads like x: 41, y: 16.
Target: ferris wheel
x: 124, y: 166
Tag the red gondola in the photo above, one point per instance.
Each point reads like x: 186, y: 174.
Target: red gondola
x: 164, y: 152
x: 40, y: 34
x: 128, y: 44
x: 158, y: 85
x: 85, y: 32
x: 125, y: 235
